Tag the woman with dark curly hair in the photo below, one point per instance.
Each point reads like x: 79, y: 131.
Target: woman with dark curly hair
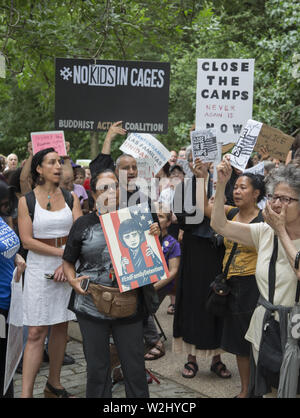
x: 44, y: 230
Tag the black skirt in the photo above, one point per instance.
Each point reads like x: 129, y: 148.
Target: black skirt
x: 242, y: 302
x: 200, y: 263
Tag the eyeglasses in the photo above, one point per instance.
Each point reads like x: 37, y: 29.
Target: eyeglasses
x: 283, y: 199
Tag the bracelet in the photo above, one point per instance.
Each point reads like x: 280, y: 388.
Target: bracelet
x: 297, y: 259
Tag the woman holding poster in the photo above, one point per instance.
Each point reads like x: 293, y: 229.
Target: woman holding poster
x: 45, y: 217
x: 87, y: 245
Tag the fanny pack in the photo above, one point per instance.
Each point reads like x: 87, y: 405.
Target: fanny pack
x: 111, y: 302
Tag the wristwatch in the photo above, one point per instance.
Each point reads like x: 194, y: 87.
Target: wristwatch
x: 297, y: 259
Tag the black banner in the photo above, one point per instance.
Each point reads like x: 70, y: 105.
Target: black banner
x: 91, y: 95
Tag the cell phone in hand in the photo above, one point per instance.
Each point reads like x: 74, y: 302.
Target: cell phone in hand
x: 49, y: 276
x: 84, y: 284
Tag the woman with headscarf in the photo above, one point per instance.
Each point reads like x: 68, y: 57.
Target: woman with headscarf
x: 9, y: 259
x: 44, y: 230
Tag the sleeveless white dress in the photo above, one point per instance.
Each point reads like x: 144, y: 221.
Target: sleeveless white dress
x: 45, y: 301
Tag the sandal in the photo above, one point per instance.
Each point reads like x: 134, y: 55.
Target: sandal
x: 218, y: 370
x: 193, y: 369
x: 155, y: 356
x: 171, y: 309
x: 52, y: 392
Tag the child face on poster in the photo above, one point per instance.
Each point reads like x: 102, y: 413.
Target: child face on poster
x: 132, y: 239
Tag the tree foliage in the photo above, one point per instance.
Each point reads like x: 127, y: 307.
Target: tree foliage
x: 34, y: 32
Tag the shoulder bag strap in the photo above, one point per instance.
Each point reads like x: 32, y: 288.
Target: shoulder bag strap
x: 30, y: 201
x: 272, y: 270
x: 297, y: 292
x: 225, y: 272
x: 231, y: 214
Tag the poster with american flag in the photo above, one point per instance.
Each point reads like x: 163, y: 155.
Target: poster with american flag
x: 136, y: 255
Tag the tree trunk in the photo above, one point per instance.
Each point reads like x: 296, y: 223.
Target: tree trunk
x: 94, y: 144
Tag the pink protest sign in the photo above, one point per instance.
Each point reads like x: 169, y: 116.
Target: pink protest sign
x: 43, y: 140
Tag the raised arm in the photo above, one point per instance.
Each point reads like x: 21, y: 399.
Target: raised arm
x: 234, y: 231
x: 25, y: 176
x: 114, y: 130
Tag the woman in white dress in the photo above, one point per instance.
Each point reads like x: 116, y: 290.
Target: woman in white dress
x: 46, y: 300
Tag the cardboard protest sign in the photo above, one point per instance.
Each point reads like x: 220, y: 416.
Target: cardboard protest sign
x: 204, y: 145
x: 43, y: 140
x: 92, y: 95
x: 146, y: 146
x: 242, y: 151
x: 15, y: 332
x: 276, y: 143
x: 136, y: 255
x: 224, y: 96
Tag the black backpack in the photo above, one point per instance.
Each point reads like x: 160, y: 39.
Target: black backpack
x: 31, y: 200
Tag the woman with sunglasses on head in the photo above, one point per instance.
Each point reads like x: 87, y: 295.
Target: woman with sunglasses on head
x: 43, y: 230
x: 87, y: 244
x: 9, y: 260
x: 282, y: 219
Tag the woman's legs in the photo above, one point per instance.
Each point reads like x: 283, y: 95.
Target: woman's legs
x: 56, y: 349
x: 129, y: 342
x: 244, y: 371
x: 97, y: 354
x: 32, y: 358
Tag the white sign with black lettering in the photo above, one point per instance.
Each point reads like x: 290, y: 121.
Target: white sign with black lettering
x: 242, y: 151
x: 224, y: 96
x: 204, y: 145
x: 256, y: 169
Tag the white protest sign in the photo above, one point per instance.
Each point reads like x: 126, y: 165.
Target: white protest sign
x: 145, y: 172
x: 83, y: 163
x: 242, y: 151
x: 256, y: 169
x: 15, y: 332
x: 146, y: 146
x: 2, y: 65
x: 204, y: 145
x: 224, y: 96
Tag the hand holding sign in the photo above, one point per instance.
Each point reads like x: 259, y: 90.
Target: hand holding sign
x: 200, y: 169
x: 224, y: 170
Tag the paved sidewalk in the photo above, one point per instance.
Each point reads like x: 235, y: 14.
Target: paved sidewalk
x: 167, y: 369
x: 74, y: 380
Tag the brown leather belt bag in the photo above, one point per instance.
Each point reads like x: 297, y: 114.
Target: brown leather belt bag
x: 111, y: 302
x: 54, y: 242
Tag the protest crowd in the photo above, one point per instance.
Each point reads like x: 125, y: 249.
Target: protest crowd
x: 225, y: 259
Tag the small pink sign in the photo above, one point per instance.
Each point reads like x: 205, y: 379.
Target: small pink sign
x: 43, y: 140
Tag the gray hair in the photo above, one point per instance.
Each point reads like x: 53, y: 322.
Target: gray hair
x: 288, y: 174
x: 120, y: 158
